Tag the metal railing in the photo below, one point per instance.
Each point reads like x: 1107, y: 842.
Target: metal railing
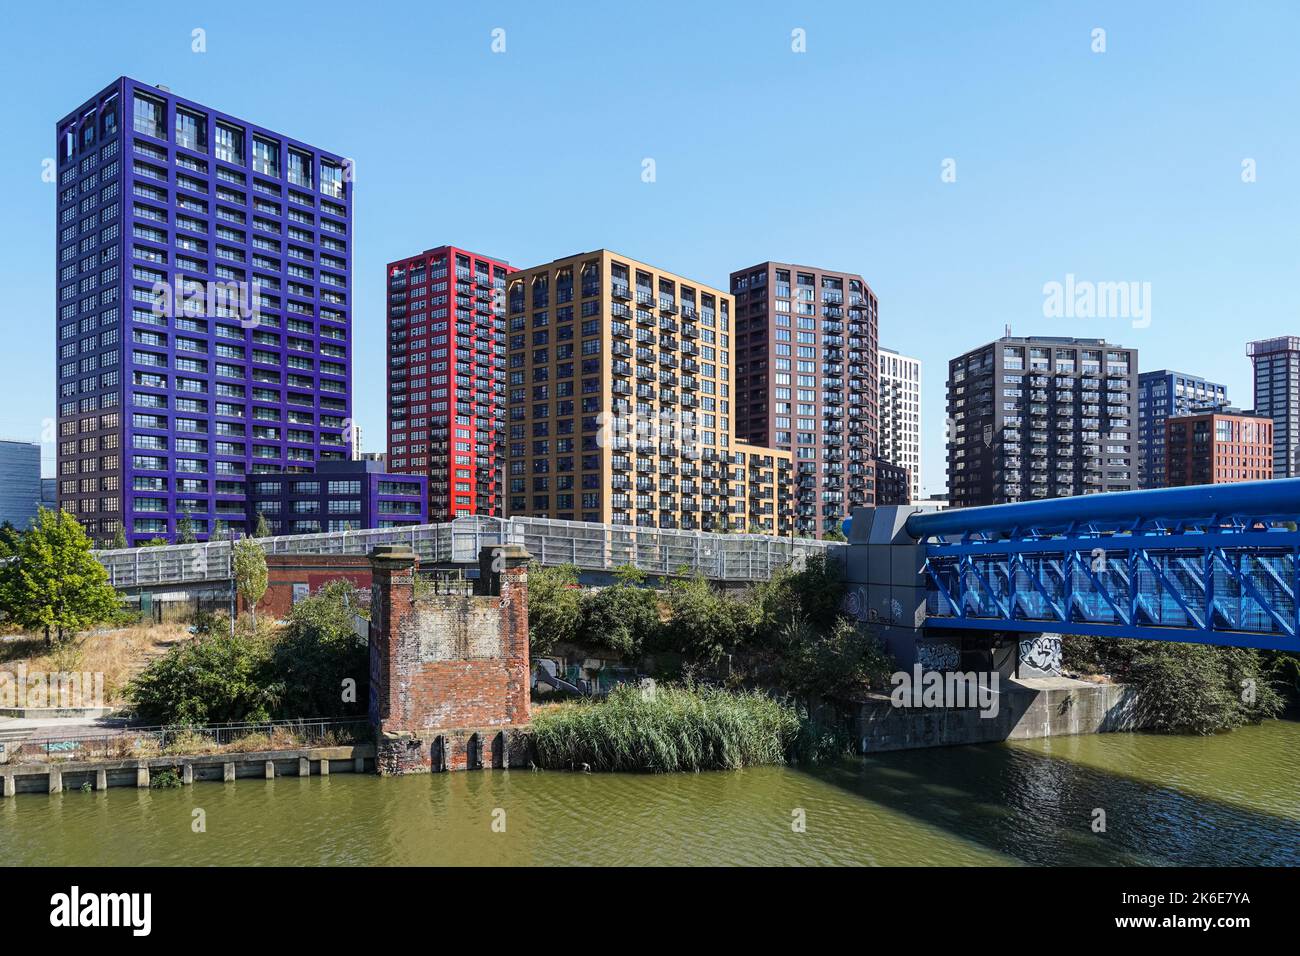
x: 131, y: 742
x: 588, y: 546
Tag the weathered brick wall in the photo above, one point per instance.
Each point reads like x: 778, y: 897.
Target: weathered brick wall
x: 449, y: 673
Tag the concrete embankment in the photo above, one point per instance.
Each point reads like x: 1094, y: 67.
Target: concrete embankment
x: 1026, y: 708
x: 57, y: 776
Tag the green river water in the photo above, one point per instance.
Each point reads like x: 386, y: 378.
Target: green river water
x: 1230, y: 799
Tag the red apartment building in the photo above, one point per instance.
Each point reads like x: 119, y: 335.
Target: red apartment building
x: 1213, y: 448
x: 446, y: 377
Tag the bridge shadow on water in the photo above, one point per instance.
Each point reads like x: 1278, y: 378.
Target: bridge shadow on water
x: 1038, y: 809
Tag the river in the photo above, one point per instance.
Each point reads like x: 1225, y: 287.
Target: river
x: 1230, y: 799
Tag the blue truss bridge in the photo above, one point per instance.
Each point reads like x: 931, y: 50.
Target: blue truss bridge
x: 1210, y: 564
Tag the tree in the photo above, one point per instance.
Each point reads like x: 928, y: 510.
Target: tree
x: 53, y: 582
x: 319, y: 651
x: 833, y: 533
x: 10, y: 538
x: 250, y: 572
x: 818, y: 662
x: 705, y: 624
x: 119, y: 539
x: 185, y: 529
x: 263, y: 529
x: 622, y: 617
x: 554, y: 606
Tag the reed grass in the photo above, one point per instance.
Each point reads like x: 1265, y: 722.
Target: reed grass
x: 673, y: 729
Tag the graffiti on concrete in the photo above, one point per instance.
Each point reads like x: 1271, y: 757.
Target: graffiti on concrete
x: 938, y: 656
x: 1041, y: 654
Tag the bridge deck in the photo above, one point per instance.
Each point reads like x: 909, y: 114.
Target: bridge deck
x: 1214, y: 565
x: 588, y: 546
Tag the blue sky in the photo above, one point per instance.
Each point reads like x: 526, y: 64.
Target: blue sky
x: 1117, y: 166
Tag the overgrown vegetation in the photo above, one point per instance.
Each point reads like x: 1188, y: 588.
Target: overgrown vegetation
x: 1185, y: 688
x: 672, y: 729
x: 554, y: 606
x: 786, y: 632
x: 263, y: 673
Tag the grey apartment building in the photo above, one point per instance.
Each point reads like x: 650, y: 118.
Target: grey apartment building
x: 1041, y: 417
x: 1277, y: 396
x: 807, y: 382
x: 20, y: 482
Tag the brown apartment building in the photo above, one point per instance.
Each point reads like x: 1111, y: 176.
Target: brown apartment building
x: 619, y: 397
x: 1218, y: 447
x: 806, y: 382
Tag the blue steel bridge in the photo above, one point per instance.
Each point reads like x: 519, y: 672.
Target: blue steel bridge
x: 1210, y: 564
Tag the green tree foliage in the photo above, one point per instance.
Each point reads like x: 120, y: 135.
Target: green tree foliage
x: 250, y: 572
x: 263, y: 528
x: 318, y: 652
x: 221, y: 678
x: 297, y: 672
x: 119, y: 539
x: 623, y: 617
x: 838, y: 661
x: 833, y: 533
x: 53, y: 583
x: 812, y: 596
x: 1184, y: 688
x: 705, y: 624
x: 185, y: 529
x: 554, y: 607
x: 10, y: 539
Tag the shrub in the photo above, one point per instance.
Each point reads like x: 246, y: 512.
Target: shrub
x: 705, y: 624
x: 623, y: 617
x: 220, y: 678
x: 816, y: 662
x: 167, y: 779
x: 814, y: 594
x: 1184, y: 688
x: 317, y: 652
x: 673, y: 729
x: 554, y: 606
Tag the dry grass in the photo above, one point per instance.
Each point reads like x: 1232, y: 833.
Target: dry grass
x: 117, y: 654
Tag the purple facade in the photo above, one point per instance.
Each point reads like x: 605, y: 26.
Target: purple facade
x: 338, y: 496
x: 203, y: 304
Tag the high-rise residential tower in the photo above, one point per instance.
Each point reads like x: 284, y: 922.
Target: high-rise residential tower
x: 619, y: 396
x: 1041, y: 417
x: 203, y: 317
x: 1163, y: 395
x: 446, y: 377
x: 1277, y: 396
x: 900, y: 415
x: 806, y: 382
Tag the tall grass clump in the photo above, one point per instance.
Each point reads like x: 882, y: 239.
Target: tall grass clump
x: 672, y: 729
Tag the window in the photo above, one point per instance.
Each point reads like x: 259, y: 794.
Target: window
x: 191, y: 130
x: 230, y: 143
x: 300, y: 168
x: 149, y: 116
x: 266, y: 156
x: 331, y: 178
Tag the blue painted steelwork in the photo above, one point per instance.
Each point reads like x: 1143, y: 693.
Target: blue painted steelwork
x: 1215, y: 564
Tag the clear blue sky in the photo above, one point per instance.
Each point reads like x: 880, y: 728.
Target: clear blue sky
x: 1118, y: 166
